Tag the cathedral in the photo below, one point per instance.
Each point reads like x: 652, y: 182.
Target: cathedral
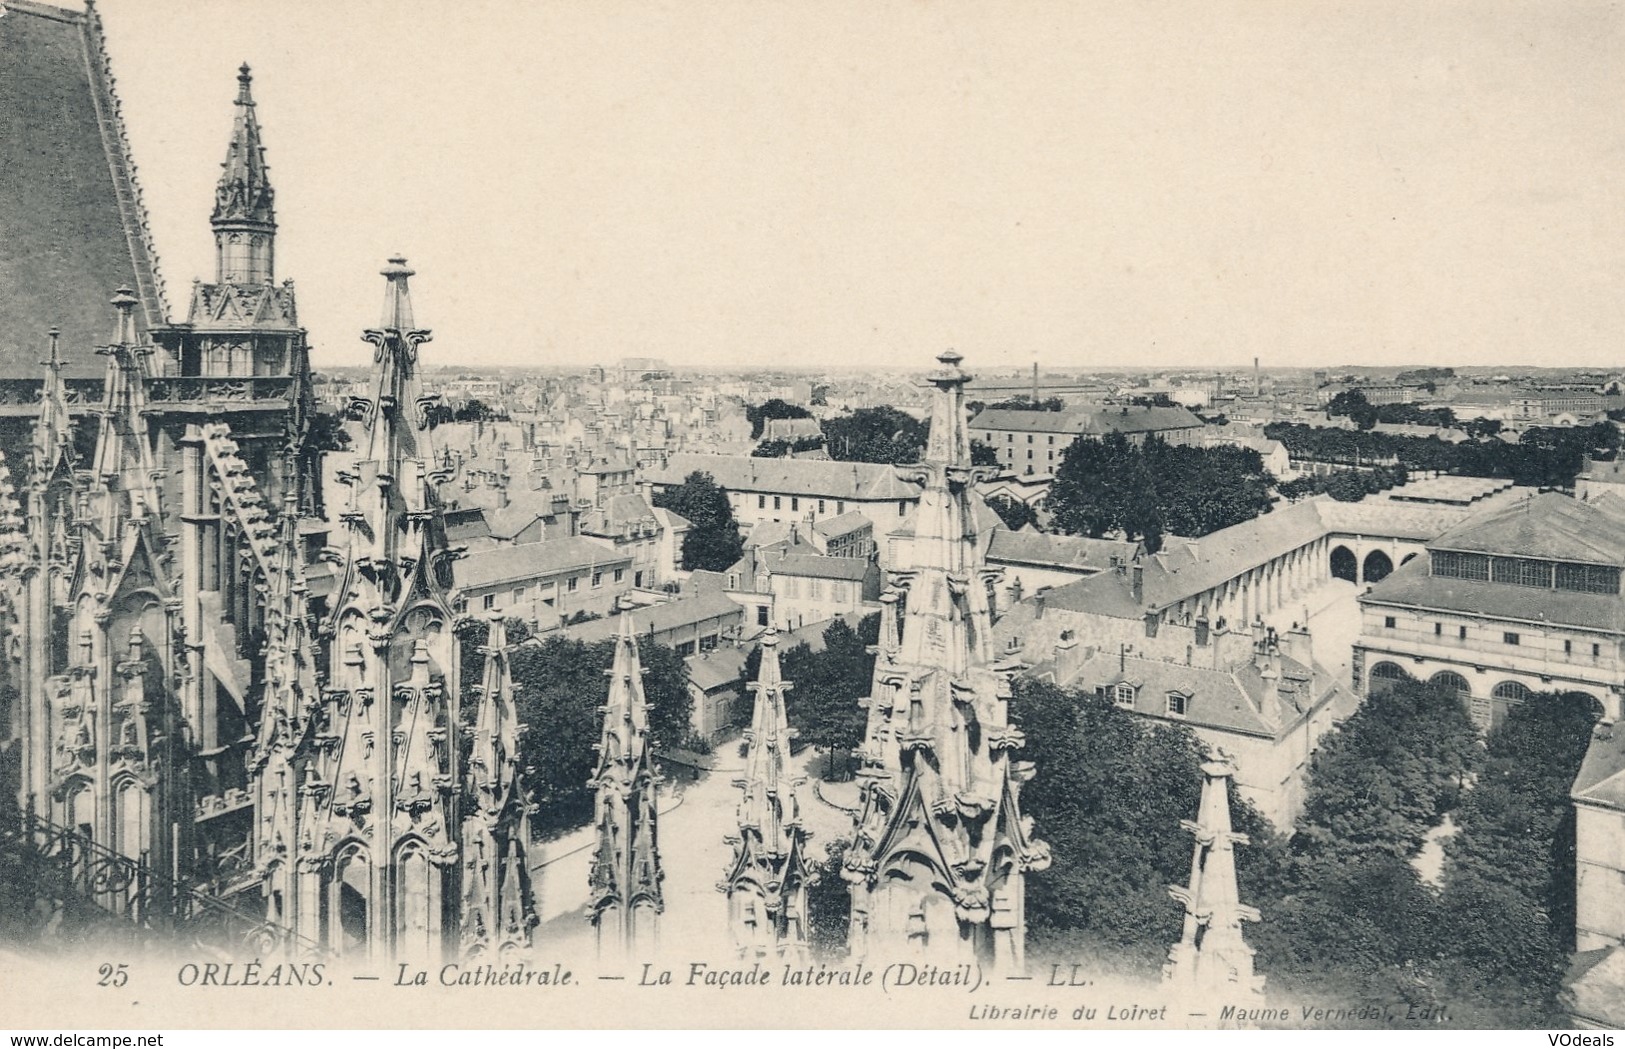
x: 208, y: 745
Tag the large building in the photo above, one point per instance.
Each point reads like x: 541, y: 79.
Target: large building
x: 1029, y: 442
x: 1513, y: 601
x: 801, y: 490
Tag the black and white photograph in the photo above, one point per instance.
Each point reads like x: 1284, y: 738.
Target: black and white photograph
x: 918, y: 514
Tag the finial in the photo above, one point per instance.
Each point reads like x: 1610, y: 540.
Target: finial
x: 950, y: 358
x: 244, y: 78
x: 397, y: 298
x: 53, y: 360
x: 124, y: 301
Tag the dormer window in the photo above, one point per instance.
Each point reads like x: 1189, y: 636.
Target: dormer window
x: 1123, y: 695
x: 1179, y: 704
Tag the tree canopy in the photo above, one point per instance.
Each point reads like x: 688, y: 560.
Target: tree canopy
x: 823, y: 704
x: 1544, y: 456
x: 713, y: 541
x: 776, y: 408
x: 560, y: 684
x: 1109, y: 796
x: 875, y: 435
x: 1148, y: 490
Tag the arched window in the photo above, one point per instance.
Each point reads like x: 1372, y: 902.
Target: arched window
x: 1385, y: 675
x: 1378, y: 565
x: 1345, y: 565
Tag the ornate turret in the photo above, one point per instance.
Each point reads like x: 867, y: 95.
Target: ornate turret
x: 244, y: 217
x: 53, y: 430
x: 123, y: 471
x: 1211, y: 959
x: 383, y: 823
x: 497, y: 909
x: 767, y: 879
x: 940, y: 848
x: 625, y: 900
x: 283, y: 750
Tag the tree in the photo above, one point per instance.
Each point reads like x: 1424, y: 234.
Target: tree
x: 983, y: 454
x: 1353, y: 404
x: 560, y: 683
x: 823, y: 704
x: 476, y: 411
x: 1014, y: 513
x: 1508, y: 901
x: 1146, y: 490
x: 1109, y: 795
x: 713, y: 542
x: 776, y: 408
x: 1384, y: 777
x: 875, y: 435
x: 781, y: 448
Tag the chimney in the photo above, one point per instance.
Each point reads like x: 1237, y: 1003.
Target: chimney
x: 1137, y: 581
x: 1068, y: 660
x: 1298, y: 648
x: 1260, y: 634
x: 1270, y: 702
x: 1038, y: 601
x: 1202, y: 630
x: 1035, y: 382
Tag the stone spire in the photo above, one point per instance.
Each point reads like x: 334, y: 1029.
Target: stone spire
x: 625, y: 900
x: 497, y: 907
x: 1211, y: 959
x: 123, y: 473
x: 767, y: 879
x: 282, y: 756
x: 244, y: 217
x: 392, y: 675
x: 53, y: 430
x: 940, y: 848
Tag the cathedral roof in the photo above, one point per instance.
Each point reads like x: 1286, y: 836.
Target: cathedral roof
x: 74, y: 228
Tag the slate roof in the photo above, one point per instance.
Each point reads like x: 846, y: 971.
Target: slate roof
x: 1059, y: 551
x: 857, y: 482
x: 72, y: 228
x: 844, y: 524
x: 719, y: 668
x: 818, y: 566
x: 790, y: 429
x: 1549, y: 526
x: 1235, y: 700
x: 1412, y: 586
x: 659, y: 618
x: 514, y: 564
x: 1096, y: 422
x: 1601, y: 779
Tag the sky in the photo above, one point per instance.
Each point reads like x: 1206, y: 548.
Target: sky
x: 1173, y: 183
